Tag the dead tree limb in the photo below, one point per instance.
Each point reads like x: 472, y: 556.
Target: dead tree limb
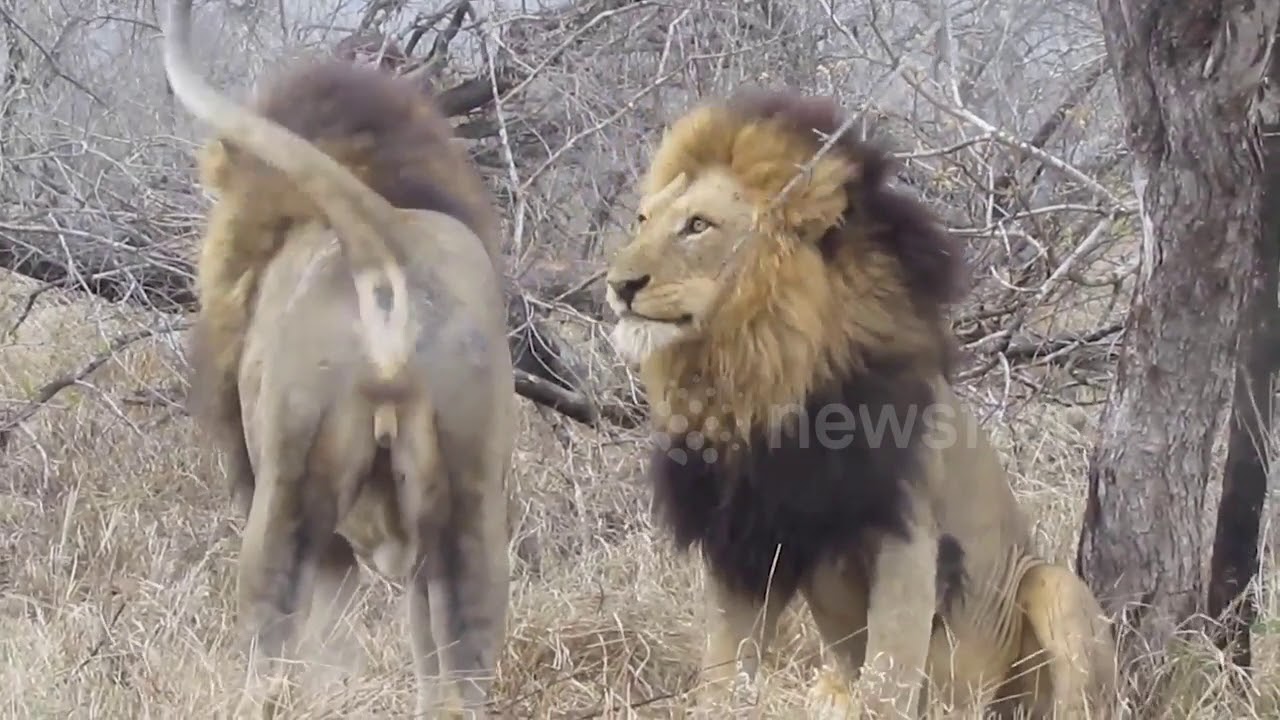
x: 1234, y: 563
x: 80, y: 261
x: 47, y: 392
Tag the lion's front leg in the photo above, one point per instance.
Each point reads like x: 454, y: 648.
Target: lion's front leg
x: 740, y: 629
x: 900, y: 613
x: 836, y: 593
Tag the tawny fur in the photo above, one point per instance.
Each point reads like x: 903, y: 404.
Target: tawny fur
x: 383, y: 130
x: 350, y: 357
x: 739, y: 307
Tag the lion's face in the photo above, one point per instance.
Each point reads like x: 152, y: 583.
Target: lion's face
x: 664, y: 284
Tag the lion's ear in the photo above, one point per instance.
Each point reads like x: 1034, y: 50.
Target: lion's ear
x: 215, y: 160
x: 820, y: 200
x: 660, y: 190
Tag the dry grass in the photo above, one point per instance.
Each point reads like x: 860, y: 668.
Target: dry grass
x: 117, y: 561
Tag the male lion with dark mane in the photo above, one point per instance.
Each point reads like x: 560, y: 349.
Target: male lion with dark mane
x: 796, y: 354
x: 350, y: 357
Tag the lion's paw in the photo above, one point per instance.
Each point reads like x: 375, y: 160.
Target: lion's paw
x: 829, y: 697
x: 392, y: 559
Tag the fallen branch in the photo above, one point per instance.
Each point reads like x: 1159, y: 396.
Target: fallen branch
x: 1040, y: 352
x: 568, y: 403
x: 1051, y: 347
x: 75, y: 260
x: 50, y: 390
x: 471, y: 95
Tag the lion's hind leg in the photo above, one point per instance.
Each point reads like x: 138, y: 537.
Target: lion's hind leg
x: 1067, y: 667
x: 278, y: 558
x: 327, y: 638
x: 458, y: 580
x: 289, y: 549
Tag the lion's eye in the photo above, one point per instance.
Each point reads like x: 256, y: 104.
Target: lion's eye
x: 696, y: 224
x: 641, y: 217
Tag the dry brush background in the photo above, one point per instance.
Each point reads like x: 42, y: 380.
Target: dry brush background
x: 117, y: 542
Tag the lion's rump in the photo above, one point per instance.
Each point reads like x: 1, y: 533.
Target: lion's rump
x: 766, y: 515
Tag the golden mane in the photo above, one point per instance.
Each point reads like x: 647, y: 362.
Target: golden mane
x: 379, y: 126
x: 844, y: 274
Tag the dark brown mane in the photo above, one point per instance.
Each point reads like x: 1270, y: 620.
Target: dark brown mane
x: 932, y: 264
x: 387, y: 131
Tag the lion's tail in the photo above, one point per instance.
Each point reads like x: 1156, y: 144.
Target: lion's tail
x: 1075, y: 639
x: 361, y: 218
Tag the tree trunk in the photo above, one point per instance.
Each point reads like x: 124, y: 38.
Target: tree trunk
x: 1244, y: 483
x: 1187, y: 76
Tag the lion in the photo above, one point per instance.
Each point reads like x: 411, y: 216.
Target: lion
x: 780, y: 337
x: 350, y: 354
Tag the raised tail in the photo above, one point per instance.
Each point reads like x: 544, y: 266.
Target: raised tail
x: 362, y: 219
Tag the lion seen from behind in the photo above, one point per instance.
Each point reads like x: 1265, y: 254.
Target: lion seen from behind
x: 795, y: 351
x: 350, y: 359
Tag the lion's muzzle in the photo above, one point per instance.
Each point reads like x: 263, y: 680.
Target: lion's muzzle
x: 625, y: 290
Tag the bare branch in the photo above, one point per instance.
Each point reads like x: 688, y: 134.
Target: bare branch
x: 50, y: 389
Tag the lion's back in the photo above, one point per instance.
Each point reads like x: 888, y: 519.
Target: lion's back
x: 384, y: 128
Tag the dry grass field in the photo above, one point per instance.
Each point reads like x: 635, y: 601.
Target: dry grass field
x: 118, y: 542
x: 118, y: 549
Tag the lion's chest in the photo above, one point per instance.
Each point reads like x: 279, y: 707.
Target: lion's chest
x: 765, y: 516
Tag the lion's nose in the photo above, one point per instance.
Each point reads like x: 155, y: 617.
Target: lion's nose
x: 627, y: 289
